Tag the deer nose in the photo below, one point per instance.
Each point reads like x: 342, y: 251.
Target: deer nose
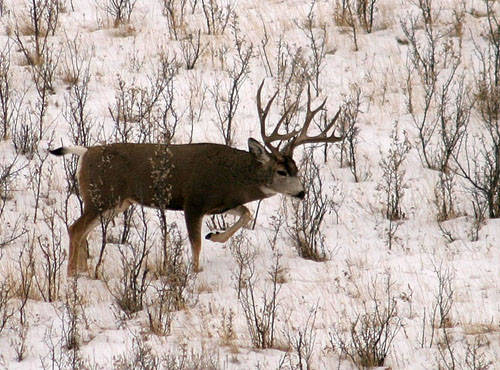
x: 301, y: 195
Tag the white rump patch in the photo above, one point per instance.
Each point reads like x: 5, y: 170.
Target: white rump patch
x: 78, y: 150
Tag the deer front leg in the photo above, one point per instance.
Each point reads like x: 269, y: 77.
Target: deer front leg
x: 193, y: 224
x: 245, y: 217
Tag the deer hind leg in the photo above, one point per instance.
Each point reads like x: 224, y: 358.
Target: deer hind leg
x: 104, y: 217
x: 245, y: 217
x: 193, y: 223
x: 77, y: 241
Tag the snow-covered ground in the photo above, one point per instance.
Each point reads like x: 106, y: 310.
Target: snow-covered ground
x: 433, y: 281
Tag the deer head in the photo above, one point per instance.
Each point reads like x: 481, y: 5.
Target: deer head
x: 296, y: 137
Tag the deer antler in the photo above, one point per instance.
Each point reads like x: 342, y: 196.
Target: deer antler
x: 322, y: 137
x: 275, y: 136
x: 298, y: 137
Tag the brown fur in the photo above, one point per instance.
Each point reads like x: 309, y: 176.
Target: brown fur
x: 199, y: 179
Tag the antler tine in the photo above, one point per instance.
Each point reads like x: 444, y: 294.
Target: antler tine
x: 310, y: 113
x: 263, y: 113
x: 275, y: 136
x: 322, y: 137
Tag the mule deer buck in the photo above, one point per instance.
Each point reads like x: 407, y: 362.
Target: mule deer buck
x: 200, y: 179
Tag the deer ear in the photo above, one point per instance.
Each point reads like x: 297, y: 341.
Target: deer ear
x: 258, y: 151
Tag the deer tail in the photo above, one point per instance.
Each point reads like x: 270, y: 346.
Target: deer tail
x: 78, y: 150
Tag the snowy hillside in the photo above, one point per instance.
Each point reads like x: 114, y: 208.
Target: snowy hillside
x: 391, y: 260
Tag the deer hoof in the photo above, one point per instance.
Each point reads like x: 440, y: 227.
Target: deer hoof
x: 209, y: 236
x: 217, y: 237
x: 197, y: 269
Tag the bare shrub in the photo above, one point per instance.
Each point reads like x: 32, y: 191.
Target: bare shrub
x: 140, y: 356
x: 7, y: 104
x: 178, y: 277
x: 131, y: 105
x: 306, y: 224
x: 192, y: 49
x: 444, y: 297
x: 302, y: 340
x: 80, y: 121
x: 370, y: 333
x: 9, y: 230
x: 480, y: 210
x: 393, y: 184
x: 30, y: 125
x: 25, y: 135
x: 37, y: 176
x: 174, y: 288
x: 196, y: 103
x: 440, y: 312
x: 146, y: 114
x: 344, y: 15
x: 454, y: 109
x: 479, y: 163
x: 7, y: 309
x: 475, y: 357
x: 291, y: 70
x: 76, y: 110
x: 441, y: 316
x: 53, y: 255
x: 470, y: 353
x: 161, y: 308
x: 73, y: 318
x: 64, y: 345
x: 441, y: 117
x: 58, y: 357
x: 120, y: 11
x: 445, y: 196
x: 130, y: 291
x: 348, y: 122
x: 32, y: 37
x: 317, y: 46
x: 227, y: 95
x: 226, y: 330
x: 33, y: 126
x: 361, y: 12
x: 19, y: 341
x: 260, y: 313
x: 244, y: 255
x: 263, y: 50
x: 217, y: 15
x: 182, y: 358
x: 25, y: 279
x: 8, y: 172
x: 293, y: 73
x: 174, y: 11
x: 366, y: 10
x: 76, y: 61
x: 104, y: 222
x: 479, y: 166
x: 23, y: 292
x: 44, y: 73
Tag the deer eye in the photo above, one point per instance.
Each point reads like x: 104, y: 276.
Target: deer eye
x: 282, y: 173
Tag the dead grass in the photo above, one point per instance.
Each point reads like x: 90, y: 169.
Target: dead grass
x: 227, y: 334
x: 480, y: 328
x: 124, y: 30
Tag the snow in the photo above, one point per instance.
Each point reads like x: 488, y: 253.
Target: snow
x: 359, y: 262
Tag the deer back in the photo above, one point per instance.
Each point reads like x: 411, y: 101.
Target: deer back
x: 211, y: 177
